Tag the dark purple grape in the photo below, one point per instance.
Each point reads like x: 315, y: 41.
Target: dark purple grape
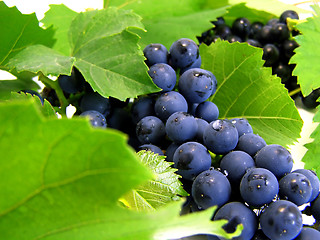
x: 237, y: 213
x: 207, y: 111
x: 142, y: 107
x: 258, y: 187
x: 183, y: 53
x: 163, y: 75
x: 314, y: 180
x: 241, y: 27
x: 255, y: 28
x: 288, y: 14
x: 242, y: 125
x: 235, y: 164
x: 181, y: 127
x: 310, y: 101
x: 270, y: 54
x: 288, y: 47
x: 280, y: 32
x: 250, y: 143
x: 220, y: 136
x: 169, y: 103
x: 234, y: 38
x: 191, y: 158
x: 211, y: 188
x: 281, y: 220
x: 197, y: 85
x: 295, y: 187
x: 223, y: 31
x: 155, y: 53
x: 153, y: 148
x: 94, y: 101
x: 96, y: 118
x: 275, y: 158
x: 283, y: 71
x: 150, y: 129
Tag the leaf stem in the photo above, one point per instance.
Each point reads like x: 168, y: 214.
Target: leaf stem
x: 294, y: 92
x: 55, y: 85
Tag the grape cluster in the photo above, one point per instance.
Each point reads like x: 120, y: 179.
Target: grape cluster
x: 221, y: 161
x: 276, y: 40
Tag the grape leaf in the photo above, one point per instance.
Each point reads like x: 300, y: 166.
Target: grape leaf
x: 248, y: 90
x: 19, y: 31
x: 60, y: 17
x: 104, y: 50
x: 167, y: 21
x: 308, y: 53
x: 274, y: 7
x: 164, y: 188
x: 59, y: 188
x: 241, y: 10
x: 39, y: 57
x: 311, y: 158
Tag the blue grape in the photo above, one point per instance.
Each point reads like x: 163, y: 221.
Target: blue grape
x: 196, y: 85
x: 70, y: 84
x: 250, y: 143
x: 196, y: 64
x: 207, y: 111
x: 308, y: 233
x: 220, y: 136
x: 120, y: 119
x: 191, y: 158
x: 171, y: 150
x: 181, y: 127
x: 275, y: 158
x: 315, y: 208
x: 295, y: 187
x: 211, y: 188
x: 236, y: 163
x: 169, y: 103
x: 155, y: 53
x: 94, y: 101
x: 258, y: 186
x: 141, y: 108
x: 153, y: 148
x: 314, y: 180
x: 202, y: 124
x: 163, y: 75
x: 237, y: 213
x: 95, y: 117
x: 192, y: 108
x: 183, y: 53
x: 242, y: 126
x: 281, y: 220
x: 150, y: 129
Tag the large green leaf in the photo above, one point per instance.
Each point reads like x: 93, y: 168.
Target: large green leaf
x: 248, y: 90
x: 104, y: 50
x: 19, y: 31
x: 274, y: 7
x: 60, y: 17
x: 310, y: 158
x: 308, y: 53
x: 162, y: 189
x: 61, y: 179
x: 167, y: 21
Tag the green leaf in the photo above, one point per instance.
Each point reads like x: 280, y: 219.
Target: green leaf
x: 274, y: 7
x: 59, y: 188
x: 20, y: 31
x: 162, y: 189
x: 60, y: 17
x: 310, y: 158
x: 308, y: 53
x: 104, y: 50
x: 167, y: 21
x: 248, y: 90
x: 241, y: 9
x: 39, y: 57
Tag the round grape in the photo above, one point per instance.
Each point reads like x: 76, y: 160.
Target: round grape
x: 250, y: 143
x: 95, y: 117
x: 155, y: 53
x: 150, y: 129
x: 163, y: 75
x: 207, y: 111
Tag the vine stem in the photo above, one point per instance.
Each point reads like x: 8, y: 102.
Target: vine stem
x: 295, y: 91
x: 55, y: 85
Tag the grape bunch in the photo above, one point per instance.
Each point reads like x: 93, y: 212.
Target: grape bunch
x: 276, y: 40
x: 222, y: 162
